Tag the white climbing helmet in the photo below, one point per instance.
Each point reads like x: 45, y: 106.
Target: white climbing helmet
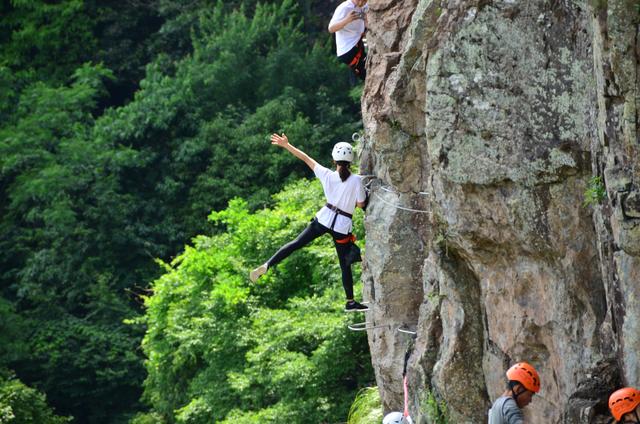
x: 342, y: 151
x: 393, y: 418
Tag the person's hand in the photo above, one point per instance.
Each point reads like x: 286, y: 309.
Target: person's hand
x: 353, y: 16
x: 279, y: 140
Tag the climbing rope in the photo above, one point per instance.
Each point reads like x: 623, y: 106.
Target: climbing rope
x: 405, y: 386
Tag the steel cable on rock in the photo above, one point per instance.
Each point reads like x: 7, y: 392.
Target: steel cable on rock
x: 370, y: 190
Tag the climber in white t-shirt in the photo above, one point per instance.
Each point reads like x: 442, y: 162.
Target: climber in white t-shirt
x: 343, y: 191
x: 349, y: 23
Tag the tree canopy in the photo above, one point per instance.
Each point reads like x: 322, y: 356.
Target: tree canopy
x: 122, y: 126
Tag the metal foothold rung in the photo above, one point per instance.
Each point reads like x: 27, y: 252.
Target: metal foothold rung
x: 405, y: 331
x: 363, y: 326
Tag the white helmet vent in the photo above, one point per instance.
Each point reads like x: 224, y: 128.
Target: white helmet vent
x: 342, y: 151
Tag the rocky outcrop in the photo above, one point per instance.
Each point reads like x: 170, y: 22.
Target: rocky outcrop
x: 486, y: 123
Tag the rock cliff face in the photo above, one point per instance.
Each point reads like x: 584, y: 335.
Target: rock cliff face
x: 486, y: 122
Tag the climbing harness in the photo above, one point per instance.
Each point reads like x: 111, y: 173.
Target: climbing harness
x: 355, y: 62
x: 352, y: 253
x: 338, y: 211
x: 351, y: 238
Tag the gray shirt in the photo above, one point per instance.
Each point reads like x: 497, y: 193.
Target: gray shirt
x: 505, y: 411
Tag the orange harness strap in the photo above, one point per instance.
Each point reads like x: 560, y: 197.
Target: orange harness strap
x: 349, y: 238
x: 356, y: 58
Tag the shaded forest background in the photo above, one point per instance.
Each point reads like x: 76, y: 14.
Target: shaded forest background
x: 123, y: 125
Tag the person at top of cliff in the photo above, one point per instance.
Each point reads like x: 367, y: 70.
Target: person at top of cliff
x: 523, y: 383
x: 343, y: 191
x: 349, y: 23
x: 624, y: 405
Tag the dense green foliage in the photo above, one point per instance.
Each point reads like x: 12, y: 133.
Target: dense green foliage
x: 222, y: 350
x: 122, y: 125
x: 20, y: 404
x: 61, y: 247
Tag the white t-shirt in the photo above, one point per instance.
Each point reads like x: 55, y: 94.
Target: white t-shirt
x: 344, y: 195
x: 350, y: 34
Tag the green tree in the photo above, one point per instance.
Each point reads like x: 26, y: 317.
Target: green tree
x: 45, y: 40
x: 221, y: 350
x: 61, y: 246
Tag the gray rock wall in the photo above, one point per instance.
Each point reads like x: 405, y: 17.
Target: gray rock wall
x: 485, y: 123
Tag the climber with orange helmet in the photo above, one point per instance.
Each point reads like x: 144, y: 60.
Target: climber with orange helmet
x: 624, y: 405
x: 343, y: 191
x: 523, y: 383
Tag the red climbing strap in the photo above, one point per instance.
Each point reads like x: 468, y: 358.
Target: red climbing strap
x: 406, y: 396
x: 404, y: 380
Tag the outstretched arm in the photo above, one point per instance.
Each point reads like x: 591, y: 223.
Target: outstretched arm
x: 283, y: 141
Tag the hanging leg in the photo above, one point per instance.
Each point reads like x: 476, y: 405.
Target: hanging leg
x: 347, y: 276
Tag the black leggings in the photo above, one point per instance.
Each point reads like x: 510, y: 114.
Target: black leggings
x: 312, y: 232
x: 359, y: 67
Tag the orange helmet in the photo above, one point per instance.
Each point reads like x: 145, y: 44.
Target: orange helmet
x: 623, y: 401
x: 526, y: 375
